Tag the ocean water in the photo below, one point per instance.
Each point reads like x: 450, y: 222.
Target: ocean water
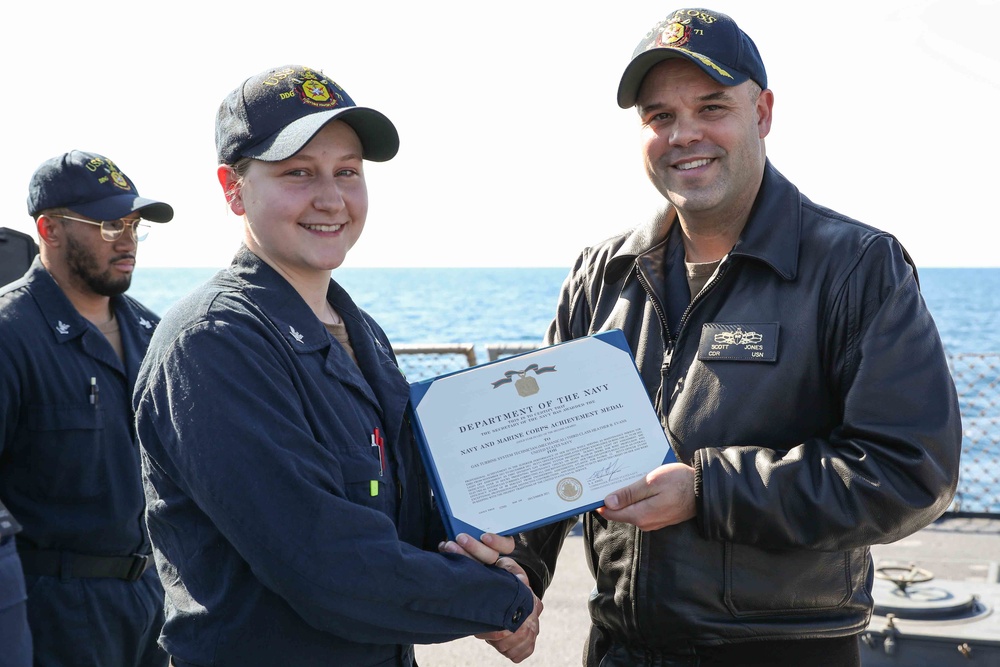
x: 515, y: 305
x: 453, y: 305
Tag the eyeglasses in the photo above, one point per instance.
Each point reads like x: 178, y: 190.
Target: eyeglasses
x: 111, y: 230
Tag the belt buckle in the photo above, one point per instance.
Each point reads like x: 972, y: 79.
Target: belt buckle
x: 139, y: 564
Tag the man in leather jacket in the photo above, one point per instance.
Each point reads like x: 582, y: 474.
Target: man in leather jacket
x: 796, y: 371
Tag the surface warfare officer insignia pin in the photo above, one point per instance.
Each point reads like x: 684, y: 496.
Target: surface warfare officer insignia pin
x: 739, y: 341
x: 526, y: 385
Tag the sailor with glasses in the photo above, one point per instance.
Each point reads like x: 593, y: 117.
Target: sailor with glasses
x: 112, y: 229
x: 71, y: 343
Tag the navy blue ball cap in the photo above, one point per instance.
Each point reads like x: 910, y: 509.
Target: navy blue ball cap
x: 272, y: 115
x: 91, y: 185
x: 709, y: 39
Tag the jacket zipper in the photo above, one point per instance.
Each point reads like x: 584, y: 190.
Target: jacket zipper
x: 663, y: 319
x: 668, y: 352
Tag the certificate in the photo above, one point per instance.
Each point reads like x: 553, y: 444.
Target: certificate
x: 537, y: 437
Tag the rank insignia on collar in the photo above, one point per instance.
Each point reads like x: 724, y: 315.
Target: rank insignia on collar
x: 62, y: 328
x: 295, y: 334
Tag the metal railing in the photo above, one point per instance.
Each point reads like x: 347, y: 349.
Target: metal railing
x: 977, y: 379
x: 976, y: 376
x: 420, y: 361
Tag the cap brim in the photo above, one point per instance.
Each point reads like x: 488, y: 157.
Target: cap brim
x: 119, y: 206
x: 379, y: 139
x: 628, y: 87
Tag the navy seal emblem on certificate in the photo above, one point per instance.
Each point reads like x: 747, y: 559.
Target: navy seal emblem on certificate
x: 569, y: 488
x: 537, y: 437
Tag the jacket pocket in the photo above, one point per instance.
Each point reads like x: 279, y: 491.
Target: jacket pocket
x: 363, y: 484
x: 67, y: 457
x: 764, y: 581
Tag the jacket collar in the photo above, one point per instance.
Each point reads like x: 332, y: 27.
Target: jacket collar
x: 771, y: 235
x: 62, y: 318
x: 641, y: 240
x: 66, y: 323
x: 279, y: 301
x: 304, y: 332
x: 774, y: 230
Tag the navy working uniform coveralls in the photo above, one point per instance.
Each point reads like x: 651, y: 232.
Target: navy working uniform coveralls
x: 70, y: 474
x: 255, y: 427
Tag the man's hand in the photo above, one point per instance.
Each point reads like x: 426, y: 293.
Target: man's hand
x: 516, y: 646
x: 664, y: 497
x: 490, y: 550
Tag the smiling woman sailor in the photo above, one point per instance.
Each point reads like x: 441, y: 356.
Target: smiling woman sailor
x: 290, y: 515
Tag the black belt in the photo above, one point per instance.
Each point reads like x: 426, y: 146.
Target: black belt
x: 69, y: 565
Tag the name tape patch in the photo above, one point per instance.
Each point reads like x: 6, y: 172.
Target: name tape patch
x: 744, y: 341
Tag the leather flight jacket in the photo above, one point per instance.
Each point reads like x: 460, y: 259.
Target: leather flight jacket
x: 807, y: 385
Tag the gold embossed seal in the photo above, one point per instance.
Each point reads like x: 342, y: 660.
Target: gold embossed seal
x: 569, y: 488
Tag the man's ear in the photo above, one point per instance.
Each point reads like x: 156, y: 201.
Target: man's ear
x: 49, y: 231
x: 232, y: 188
x: 765, y: 106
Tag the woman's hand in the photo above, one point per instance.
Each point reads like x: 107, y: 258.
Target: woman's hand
x: 491, y: 549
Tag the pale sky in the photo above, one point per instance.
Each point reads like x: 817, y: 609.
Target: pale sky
x: 513, y: 150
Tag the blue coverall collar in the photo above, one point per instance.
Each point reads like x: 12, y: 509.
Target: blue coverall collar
x: 66, y: 323
x: 279, y: 301
x: 300, y: 327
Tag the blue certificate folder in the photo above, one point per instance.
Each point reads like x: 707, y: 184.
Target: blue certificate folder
x: 536, y: 437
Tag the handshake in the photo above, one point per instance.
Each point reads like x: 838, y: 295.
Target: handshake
x: 516, y: 646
